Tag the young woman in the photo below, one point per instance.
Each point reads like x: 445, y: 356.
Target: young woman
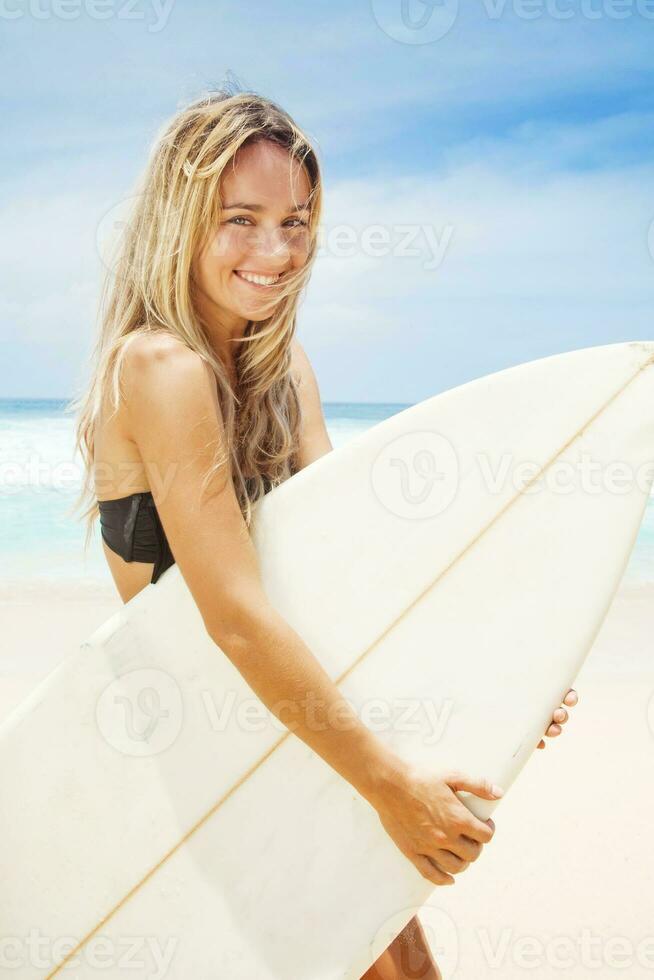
x: 201, y: 400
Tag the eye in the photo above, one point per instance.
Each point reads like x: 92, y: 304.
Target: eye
x: 240, y: 217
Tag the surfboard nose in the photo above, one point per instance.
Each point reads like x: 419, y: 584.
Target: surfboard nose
x: 646, y: 347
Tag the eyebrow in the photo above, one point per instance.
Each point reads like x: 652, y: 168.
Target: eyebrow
x: 260, y: 207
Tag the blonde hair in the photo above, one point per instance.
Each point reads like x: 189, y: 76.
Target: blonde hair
x: 149, y: 290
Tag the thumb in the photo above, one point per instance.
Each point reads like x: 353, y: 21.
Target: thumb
x: 479, y: 787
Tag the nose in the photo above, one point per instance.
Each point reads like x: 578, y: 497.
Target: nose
x: 272, y: 248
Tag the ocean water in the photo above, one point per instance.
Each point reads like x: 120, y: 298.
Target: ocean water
x: 40, y: 478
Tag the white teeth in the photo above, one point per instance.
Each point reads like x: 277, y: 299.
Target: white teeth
x: 259, y: 280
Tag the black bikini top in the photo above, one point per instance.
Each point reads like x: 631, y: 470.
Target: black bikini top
x: 131, y: 527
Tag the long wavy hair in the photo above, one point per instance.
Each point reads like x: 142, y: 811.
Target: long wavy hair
x: 149, y: 288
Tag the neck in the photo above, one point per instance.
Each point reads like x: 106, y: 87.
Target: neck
x: 223, y: 329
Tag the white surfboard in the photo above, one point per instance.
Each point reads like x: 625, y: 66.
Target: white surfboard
x: 450, y: 568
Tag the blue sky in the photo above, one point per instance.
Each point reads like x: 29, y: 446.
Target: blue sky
x: 502, y: 148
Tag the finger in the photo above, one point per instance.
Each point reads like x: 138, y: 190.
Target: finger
x: 541, y: 744
x: 448, y: 861
x: 430, y: 871
x: 466, y: 848
x: 560, y: 715
x: 553, y: 731
x: 490, y: 823
x: 468, y: 825
x: 571, y: 697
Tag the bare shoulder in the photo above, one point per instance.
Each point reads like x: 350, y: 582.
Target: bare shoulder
x: 180, y: 439
x: 304, y: 373
x: 160, y: 370
x: 314, y: 437
x: 300, y: 363
x: 160, y: 353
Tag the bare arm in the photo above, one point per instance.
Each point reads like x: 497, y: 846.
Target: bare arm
x: 175, y: 420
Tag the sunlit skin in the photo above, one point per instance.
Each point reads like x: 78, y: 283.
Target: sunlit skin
x: 270, y: 237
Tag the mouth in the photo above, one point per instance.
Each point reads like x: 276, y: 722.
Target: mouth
x: 263, y: 283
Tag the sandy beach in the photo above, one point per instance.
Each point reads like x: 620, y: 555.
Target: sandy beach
x: 566, y: 887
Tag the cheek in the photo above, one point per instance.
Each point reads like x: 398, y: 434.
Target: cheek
x: 301, y: 247
x: 224, y: 249
x: 304, y: 249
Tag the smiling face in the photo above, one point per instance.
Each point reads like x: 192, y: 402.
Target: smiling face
x: 263, y: 234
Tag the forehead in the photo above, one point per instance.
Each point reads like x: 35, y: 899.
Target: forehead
x: 263, y: 173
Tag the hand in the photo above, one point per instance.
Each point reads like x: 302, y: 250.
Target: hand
x: 427, y: 821
x: 559, y: 718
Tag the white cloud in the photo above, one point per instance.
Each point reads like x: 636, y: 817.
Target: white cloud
x: 538, y: 262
